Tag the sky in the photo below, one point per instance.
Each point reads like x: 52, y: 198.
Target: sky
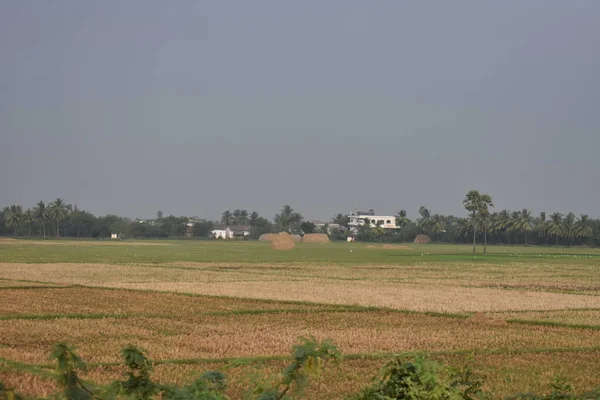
x: 195, y: 107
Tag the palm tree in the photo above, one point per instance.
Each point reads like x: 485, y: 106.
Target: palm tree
x: 13, y: 216
x: 568, y: 228
x: 472, y: 203
x: 243, y: 217
x: 524, y: 223
x: 438, y: 225
x: 28, y: 217
x: 401, y: 222
x: 252, y: 221
x: 288, y: 218
x: 514, y: 224
x: 40, y: 213
x: 542, y: 227
x: 503, y: 224
x: 237, y: 217
x: 57, y: 211
x: 424, y: 222
x: 583, y: 228
x: 484, y: 214
x: 462, y: 228
x: 341, y: 220
x: 226, y: 218
x: 554, y: 226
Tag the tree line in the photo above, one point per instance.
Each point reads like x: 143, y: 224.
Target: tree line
x: 480, y: 225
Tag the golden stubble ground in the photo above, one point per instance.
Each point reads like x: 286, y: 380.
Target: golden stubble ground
x: 403, y: 288
x: 227, y: 336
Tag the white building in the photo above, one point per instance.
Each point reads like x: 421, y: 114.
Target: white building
x: 231, y: 232
x: 360, y: 219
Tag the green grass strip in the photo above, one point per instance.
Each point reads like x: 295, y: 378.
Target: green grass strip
x: 77, y: 316
x: 553, y: 324
x: 33, y: 287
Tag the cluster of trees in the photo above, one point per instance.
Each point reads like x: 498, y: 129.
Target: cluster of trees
x: 58, y: 219
x: 503, y: 227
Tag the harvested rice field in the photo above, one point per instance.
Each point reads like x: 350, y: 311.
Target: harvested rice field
x: 519, y: 316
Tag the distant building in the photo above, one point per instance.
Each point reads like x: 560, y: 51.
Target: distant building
x: 360, y: 219
x: 231, y: 232
x: 330, y: 226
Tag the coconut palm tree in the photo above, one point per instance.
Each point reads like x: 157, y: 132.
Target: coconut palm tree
x: 424, y: 221
x: 569, y: 229
x: 13, y: 216
x: 227, y: 218
x: 524, y: 223
x: 253, y: 219
x: 542, y: 227
x: 57, y: 211
x: 438, y: 225
x: 502, y: 224
x: 401, y: 222
x: 28, y: 217
x: 478, y: 205
x: 462, y: 228
x: 484, y: 215
x: 40, y: 213
x: 583, y: 228
x: 341, y: 220
x: 554, y: 226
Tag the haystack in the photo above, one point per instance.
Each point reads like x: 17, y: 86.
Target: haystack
x: 283, y: 241
x: 267, y: 237
x: 422, y: 239
x: 316, y: 238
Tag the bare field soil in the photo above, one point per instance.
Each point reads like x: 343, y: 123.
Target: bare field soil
x: 198, y: 306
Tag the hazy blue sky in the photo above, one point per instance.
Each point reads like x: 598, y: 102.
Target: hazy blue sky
x: 193, y: 107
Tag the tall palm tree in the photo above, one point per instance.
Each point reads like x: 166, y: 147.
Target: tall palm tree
x: 57, y: 211
x: 554, y: 226
x: 13, y: 216
x: 438, y: 225
x: 253, y: 219
x: 243, y: 217
x: 237, y: 217
x: 583, y: 228
x: 226, y: 218
x: 472, y: 203
x: 28, y: 217
x: 40, y: 213
x: 569, y: 228
x: 484, y: 214
x: 424, y: 221
x: 401, y: 222
x: 542, y: 227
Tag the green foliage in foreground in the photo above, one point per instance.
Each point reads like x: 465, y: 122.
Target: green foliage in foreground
x: 404, y: 377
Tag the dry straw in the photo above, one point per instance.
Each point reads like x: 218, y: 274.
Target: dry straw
x: 283, y: 241
x: 316, y: 238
